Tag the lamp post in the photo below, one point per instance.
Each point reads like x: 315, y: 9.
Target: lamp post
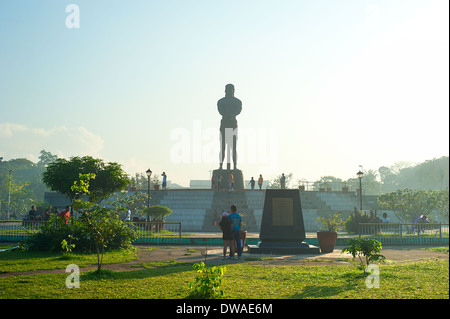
x: 9, y: 193
x: 149, y: 173
x: 360, y: 176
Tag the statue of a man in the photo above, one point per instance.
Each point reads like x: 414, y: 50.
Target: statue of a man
x: 229, y: 107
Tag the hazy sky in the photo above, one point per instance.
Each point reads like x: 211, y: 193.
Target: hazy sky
x: 326, y: 86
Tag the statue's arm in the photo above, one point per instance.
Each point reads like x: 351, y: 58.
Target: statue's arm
x: 219, y: 108
x: 239, y: 109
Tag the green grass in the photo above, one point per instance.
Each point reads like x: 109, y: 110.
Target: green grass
x: 18, y: 260
x: 170, y: 280
x: 437, y: 249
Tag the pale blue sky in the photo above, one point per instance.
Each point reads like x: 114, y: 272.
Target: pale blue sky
x: 341, y: 83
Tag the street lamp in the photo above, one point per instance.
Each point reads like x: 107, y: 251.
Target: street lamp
x: 149, y: 173
x: 9, y: 193
x: 360, y: 176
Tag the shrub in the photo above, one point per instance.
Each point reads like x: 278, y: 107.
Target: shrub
x: 157, y: 212
x: 77, y: 233
x: 332, y: 222
x: 206, y: 285
x: 369, y: 249
x: 352, y: 223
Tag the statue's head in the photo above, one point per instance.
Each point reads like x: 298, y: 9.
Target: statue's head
x: 229, y: 89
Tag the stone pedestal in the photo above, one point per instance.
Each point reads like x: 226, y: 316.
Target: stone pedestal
x: 282, y: 228
x: 225, y: 173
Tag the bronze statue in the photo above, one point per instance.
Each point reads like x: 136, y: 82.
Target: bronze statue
x: 229, y: 107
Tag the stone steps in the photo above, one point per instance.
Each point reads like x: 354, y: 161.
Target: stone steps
x: 197, y: 209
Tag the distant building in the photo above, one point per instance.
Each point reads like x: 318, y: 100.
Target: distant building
x: 200, y: 184
x: 171, y: 185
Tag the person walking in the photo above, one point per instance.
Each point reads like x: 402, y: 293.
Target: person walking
x: 252, y: 184
x: 227, y: 235
x: 236, y: 222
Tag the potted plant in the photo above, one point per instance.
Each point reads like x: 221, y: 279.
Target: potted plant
x: 155, y: 182
x: 344, y: 187
x: 327, y: 238
x: 301, y: 184
x: 157, y: 213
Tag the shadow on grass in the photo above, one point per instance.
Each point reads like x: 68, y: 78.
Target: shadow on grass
x: 151, y: 269
x: 348, y: 281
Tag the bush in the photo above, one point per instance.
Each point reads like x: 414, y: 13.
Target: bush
x: 332, y: 222
x: 367, y: 250
x: 207, y: 285
x: 157, y: 212
x: 352, y: 223
x: 76, y: 232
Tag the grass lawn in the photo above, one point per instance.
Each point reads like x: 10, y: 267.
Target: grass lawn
x: 29, y: 260
x: 170, y: 279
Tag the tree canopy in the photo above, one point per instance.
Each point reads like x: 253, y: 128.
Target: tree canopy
x: 407, y: 204
x: 61, y: 174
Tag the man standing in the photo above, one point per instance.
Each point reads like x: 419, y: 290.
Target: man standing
x: 231, y: 183
x: 236, y: 221
x: 260, y: 181
x: 32, y: 214
x: 283, y: 181
x: 164, y: 181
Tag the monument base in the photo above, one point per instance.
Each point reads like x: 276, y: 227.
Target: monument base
x: 225, y: 184
x: 281, y: 248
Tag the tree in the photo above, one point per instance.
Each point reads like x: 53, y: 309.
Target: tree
x: 431, y: 174
x: 327, y: 182
x: 97, y: 227
x: 407, y: 204
x: 136, y: 202
x: 443, y: 202
x: 46, y: 158
x: 61, y: 174
x: 140, y: 181
x: 276, y: 182
x: 101, y: 223
x: 157, y: 212
x: 370, y: 184
x: 16, y: 193
x: 367, y: 250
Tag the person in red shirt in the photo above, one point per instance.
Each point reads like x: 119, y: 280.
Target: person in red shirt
x: 65, y: 214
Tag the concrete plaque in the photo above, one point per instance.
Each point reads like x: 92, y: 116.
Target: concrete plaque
x: 282, y: 228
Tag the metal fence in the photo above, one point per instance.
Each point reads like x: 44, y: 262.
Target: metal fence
x: 406, y: 234
x: 147, y: 232
x: 157, y: 232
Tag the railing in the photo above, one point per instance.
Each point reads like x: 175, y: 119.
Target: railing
x: 14, y: 231
x: 147, y: 232
x: 406, y: 234
x: 157, y: 232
